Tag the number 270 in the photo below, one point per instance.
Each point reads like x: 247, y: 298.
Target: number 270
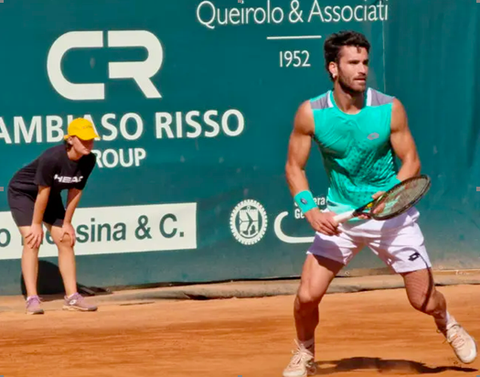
x: 294, y: 58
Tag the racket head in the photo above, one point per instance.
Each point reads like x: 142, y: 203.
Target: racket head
x: 400, y: 198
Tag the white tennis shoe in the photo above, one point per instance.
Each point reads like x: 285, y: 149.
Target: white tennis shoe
x: 302, y: 363
x: 462, y: 343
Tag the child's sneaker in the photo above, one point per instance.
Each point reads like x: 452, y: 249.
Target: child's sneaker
x: 33, y: 305
x: 78, y: 303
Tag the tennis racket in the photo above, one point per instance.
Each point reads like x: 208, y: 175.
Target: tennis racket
x: 392, y: 203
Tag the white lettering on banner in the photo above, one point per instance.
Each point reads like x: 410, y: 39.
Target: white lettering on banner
x: 20, y: 127
x: 54, y: 128
x: 114, y: 230
x: 232, y: 123
x: 130, y: 126
x: 125, y: 158
x: 138, y: 126
x: 319, y: 201
x: 4, y: 132
x: 235, y: 16
x: 359, y: 13
x: 300, y: 11
x: 141, y: 71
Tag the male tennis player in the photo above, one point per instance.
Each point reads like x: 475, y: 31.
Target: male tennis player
x: 359, y: 131
x: 34, y: 198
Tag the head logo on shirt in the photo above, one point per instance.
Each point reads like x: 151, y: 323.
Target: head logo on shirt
x: 67, y: 179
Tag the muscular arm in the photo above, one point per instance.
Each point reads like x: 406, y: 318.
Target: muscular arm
x: 298, y: 152
x: 403, y: 143
x: 40, y: 204
x: 299, y: 149
x: 73, y: 199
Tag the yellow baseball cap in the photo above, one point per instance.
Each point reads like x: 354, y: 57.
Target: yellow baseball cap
x: 81, y: 128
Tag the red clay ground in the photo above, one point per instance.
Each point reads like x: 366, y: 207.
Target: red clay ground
x: 361, y: 334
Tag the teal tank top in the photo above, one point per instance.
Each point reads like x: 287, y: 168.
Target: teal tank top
x: 358, y: 157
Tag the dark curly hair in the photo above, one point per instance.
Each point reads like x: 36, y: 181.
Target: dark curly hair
x: 335, y: 42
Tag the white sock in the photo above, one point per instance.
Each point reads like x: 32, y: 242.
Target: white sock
x: 72, y: 295
x: 448, y: 317
x: 307, y: 344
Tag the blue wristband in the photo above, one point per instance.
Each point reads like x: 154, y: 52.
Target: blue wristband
x: 305, y: 201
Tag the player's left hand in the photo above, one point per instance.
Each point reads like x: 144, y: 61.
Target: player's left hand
x: 67, y: 228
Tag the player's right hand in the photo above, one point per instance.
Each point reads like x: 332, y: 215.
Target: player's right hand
x: 35, y: 236
x: 323, y: 222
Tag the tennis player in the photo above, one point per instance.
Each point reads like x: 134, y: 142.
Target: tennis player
x: 359, y: 131
x: 34, y: 198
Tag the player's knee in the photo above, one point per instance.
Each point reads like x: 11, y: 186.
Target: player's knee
x: 29, y: 250
x: 63, y: 241
x: 306, y: 298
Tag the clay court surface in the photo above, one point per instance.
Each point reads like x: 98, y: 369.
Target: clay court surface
x: 373, y: 333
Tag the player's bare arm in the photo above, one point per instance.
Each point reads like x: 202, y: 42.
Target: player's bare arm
x: 298, y: 153
x: 403, y: 143
x: 40, y: 204
x: 73, y: 199
x: 299, y: 149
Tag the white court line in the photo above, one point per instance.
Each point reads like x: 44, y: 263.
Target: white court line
x: 296, y: 37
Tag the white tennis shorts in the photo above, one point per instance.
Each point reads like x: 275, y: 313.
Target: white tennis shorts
x: 398, y: 242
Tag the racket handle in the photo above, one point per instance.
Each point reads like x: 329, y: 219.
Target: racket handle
x: 344, y: 216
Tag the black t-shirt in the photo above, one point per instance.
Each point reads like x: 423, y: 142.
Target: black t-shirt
x: 53, y: 169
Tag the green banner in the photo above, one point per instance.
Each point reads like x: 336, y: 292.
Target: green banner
x: 194, y: 104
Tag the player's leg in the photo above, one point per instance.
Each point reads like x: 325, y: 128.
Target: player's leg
x: 326, y: 257
x: 424, y: 297
x: 318, y: 273
x: 66, y: 258
x: 21, y: 207
x: 402, y: 247
x: 67, y: 266
x: 30, y: 274
x: 54, y: 216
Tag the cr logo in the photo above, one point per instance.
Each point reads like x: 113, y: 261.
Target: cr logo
x: 140, y: 71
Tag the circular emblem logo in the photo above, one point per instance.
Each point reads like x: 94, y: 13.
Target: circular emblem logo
x: 248, y: 222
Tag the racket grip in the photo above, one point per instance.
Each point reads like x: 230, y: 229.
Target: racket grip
x: 344, y: 216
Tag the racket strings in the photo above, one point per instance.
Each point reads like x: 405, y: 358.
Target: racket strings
x: 401, y: 197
